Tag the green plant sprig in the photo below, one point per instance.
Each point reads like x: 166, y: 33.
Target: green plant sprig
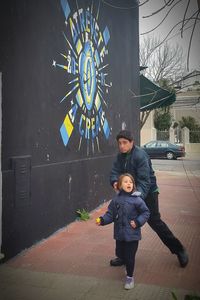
x: 83, y: 214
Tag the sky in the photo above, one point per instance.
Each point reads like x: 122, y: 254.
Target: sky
x: 175, y: 15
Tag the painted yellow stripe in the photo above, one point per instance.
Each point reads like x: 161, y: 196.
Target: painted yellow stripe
x: 68, y: 125
x: 97, y: 102
x: 79, y: 46
x: 79, y: 98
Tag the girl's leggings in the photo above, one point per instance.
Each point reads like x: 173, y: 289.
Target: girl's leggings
x: 127, y: 251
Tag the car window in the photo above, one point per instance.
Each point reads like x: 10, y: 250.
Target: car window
x: 163, y: 144
x: 158, y: 145
x: 151, y: 145
x: 171, y: 145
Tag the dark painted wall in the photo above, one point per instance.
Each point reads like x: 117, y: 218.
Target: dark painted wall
x: 49, y: 168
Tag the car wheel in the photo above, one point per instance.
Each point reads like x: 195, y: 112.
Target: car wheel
x: 170, y: 155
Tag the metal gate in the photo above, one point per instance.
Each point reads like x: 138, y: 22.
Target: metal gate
x: 163, y: 135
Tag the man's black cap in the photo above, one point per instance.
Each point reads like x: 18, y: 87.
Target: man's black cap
x: 125, y: 134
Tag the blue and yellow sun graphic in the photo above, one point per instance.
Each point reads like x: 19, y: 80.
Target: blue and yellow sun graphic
x: 87, y: 90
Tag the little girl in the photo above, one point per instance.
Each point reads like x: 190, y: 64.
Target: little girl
x: 128, y: 212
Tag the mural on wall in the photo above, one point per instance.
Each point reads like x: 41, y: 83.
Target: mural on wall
x: 87, y: 87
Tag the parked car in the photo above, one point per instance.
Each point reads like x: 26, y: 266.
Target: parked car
x: 164, y: 149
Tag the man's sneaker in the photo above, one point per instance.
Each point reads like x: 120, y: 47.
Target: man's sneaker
x: 183, y: 258
x: 129, y: 284
x: 116, y: 262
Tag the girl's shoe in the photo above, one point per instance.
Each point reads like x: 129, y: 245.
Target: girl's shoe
x: 129, y: 284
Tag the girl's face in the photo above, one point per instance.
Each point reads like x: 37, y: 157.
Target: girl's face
x: 127, y: 184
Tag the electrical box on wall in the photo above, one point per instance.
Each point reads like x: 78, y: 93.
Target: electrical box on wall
x: 21, y: 166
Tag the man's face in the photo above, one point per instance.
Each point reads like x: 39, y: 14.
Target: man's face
x: 124, y: 145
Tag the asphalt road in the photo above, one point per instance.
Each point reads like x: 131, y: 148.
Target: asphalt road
x: 185, y: 164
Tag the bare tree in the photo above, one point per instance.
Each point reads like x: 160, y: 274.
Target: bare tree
x: 189, y: 21
x: 143, y: 117
x: 163, y: 60
x: 165, y: 63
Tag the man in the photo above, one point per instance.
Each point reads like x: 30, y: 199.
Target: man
x: 134, y: 160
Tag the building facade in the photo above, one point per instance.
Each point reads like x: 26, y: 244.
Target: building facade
x: 67, y: 71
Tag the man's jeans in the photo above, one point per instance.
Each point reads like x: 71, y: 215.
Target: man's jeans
x: 159, y: 226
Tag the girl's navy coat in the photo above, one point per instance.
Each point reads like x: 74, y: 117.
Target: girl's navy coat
x: 122, y: 209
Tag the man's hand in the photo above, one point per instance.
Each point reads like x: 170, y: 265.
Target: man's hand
x: 115, y: 186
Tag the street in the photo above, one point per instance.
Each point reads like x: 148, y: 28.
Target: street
x: 186, y: 165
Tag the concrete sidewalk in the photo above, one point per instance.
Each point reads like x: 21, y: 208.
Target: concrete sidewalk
x: 74, y: 262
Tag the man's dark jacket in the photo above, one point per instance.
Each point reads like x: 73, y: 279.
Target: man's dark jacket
x: 138, y: 164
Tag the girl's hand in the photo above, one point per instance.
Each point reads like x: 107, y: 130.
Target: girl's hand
x: 98, y: 221
x: 133, y: 224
